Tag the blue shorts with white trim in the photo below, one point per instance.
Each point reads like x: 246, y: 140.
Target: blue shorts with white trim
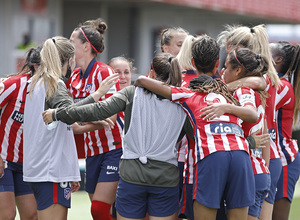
x: 134, y: 201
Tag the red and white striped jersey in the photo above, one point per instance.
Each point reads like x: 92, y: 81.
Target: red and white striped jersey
x: 285, y: 101
x: 12, y: 102
x: 81, y: 86
x: 247, y: 96
x: 220, y: 134
x: 188, y: 171
x: 3, y: 79
x: 187, y: 76
x: 181, y: 149
x: 271, y: 118
x: 120, y: 121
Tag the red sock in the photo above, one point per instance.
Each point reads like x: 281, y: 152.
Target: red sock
x: 100, y: 210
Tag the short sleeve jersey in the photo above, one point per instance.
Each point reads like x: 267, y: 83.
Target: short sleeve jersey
x: 247, y: 96
x: 221, y: 134
x: 81, y: 86
x: 285, y: 101
x: 12, y: 102
x: 271, y: 118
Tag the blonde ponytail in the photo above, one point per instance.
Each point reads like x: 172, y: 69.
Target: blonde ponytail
x: 55, y: 53
x: 256, y: 39
x: 185, y: 54
x: 262, y: 46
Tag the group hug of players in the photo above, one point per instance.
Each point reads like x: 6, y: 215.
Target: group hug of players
x: 218, y: 123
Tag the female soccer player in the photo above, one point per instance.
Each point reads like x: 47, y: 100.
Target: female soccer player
x: 185, y: 155
x: 286, y: 57
x: 50, y: 158
x: 219, y: 140
x: 172, y: 39
x: 242, y: 63
x: 148, y: 168
x: 256, y: 39
x: 103, y: 149
x: 13, y: 190
x: 124, y: 67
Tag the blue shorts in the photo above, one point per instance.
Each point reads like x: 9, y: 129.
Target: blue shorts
x: 288, y: 179
x: 224, y: 174
x: 275, y: 168
x: 48, y: 193
x: 134, y: 201
x: 180, y: 168
x: 186, y: 202
x: 12, y: 180
x: 113, y: 210
x: 102, y: 168
x: 262, y: 187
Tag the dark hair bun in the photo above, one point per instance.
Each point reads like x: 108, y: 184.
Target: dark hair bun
x: 97, y: 24
x: 102, y: 28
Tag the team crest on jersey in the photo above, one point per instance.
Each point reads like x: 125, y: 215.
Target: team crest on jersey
x: 272, y: 133
x: 67, y: 193
x: 246, y: 98
x: 88, y: 87
x: 257, y: 153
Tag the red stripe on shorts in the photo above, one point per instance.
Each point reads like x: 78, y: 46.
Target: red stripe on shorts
x: 195, y: 181
x: 55, y: 190
x: 285, y: 181
x: 184, y: 199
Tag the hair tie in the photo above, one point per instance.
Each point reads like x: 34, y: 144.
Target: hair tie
x: 88, y: 40
x: 258, y: 56
x: 170, y: 59
x: 252, y: 30
x: 53, y: 40
x: 239, y: 61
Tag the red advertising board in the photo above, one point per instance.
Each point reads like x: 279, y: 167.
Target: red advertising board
x: 38, y: 6
x: 275, y: 9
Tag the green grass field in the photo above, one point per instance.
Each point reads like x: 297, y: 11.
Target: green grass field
x: 80, y: 206
x: 295, y: 210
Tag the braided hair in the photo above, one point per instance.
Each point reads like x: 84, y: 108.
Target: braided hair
x: 206, y: 84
